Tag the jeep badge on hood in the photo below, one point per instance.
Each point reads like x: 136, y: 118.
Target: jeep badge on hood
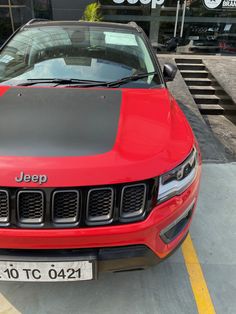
x: 27, y: 178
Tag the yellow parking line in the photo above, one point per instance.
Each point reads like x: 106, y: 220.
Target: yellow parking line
x: 197, y: 280
x: 6, y: 307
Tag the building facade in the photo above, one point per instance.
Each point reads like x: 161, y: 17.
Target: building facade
x: 187, y: 26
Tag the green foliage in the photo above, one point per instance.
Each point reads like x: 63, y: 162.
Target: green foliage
x: 92, y: 12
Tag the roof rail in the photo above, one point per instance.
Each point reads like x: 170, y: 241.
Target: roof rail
x: 32, y: 21
x: 132, y: 23
x: 135, y: 25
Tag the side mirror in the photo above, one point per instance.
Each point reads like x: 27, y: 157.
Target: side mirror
x: 169, y: 72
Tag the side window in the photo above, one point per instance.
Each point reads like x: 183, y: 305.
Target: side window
x: 15, y: 56
x: 145, y: 56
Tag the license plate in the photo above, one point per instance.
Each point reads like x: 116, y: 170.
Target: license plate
x: 46, y: 271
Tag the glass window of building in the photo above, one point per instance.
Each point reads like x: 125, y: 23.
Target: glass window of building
x: 183, y: 26
x: 14, y: 13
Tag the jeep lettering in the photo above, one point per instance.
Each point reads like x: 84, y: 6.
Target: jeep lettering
x: 27, y: 178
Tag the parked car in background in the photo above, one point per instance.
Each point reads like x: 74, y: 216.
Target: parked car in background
x: 227, y: 43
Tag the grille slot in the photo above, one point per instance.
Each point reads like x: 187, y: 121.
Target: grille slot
x: 4, y: 206
x: 30, y: 207
x: 76, y: 207
x: 100, y: 206
x: 65, y: 206
x: 133, y: 198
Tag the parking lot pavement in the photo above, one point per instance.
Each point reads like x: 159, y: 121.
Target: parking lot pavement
x: 214, y: 234
x: 164, y: 289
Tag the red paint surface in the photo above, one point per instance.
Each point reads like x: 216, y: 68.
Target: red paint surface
x: 153, y: 137
x: 3, y: 90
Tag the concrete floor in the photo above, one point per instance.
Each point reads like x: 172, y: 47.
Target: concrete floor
x: 224, y: 129
x: 164, y: 289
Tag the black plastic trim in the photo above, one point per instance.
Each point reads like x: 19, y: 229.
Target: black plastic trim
x: 48, y: 223
x: 101, y: 220
x: 183, y: 220
x: 72, y: 221
x: 36, y: 221
x: 133, y: 214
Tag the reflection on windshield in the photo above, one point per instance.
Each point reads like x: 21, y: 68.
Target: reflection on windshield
x: 74, y: 52
x: 88, y: 69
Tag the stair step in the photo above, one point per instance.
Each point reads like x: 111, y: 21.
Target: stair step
x: 205, y: 90
x: 189, y: 60
x: 206, y: 99
x: 190, y: 66
x: 204, y: 87
x: 198, y: 81
x: 217, y: 109
x: 194, y: 74
x: 210, y: 109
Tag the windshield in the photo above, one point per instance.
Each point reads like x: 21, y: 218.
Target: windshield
x: 76, y: 52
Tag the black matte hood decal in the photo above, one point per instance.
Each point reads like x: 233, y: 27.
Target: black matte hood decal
x: 58, y: 121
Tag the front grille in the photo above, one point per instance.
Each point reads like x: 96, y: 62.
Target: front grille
x: 30, y: 205
x: 4, y: 206
x: 100, y: 205
x: 77, y: 207
x: 133, y: 200
x: 65, y: 206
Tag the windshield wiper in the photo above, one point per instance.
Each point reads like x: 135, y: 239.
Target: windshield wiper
x: 128, y: 79
x: 59, y: 81
x: 123, y: 80
x: 87, y: 83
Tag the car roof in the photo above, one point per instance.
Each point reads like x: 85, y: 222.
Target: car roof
x: 132, y: 26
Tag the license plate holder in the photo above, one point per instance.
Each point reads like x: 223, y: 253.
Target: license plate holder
x: 48, y: 271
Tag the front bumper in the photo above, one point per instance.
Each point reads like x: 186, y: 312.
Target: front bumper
x: 114, y: 259
x: 147, y: 233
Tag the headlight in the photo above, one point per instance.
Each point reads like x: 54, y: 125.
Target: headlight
x: 179, y: 179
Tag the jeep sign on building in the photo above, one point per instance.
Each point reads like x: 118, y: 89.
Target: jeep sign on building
x: 154, y: 3
x: 199, y: 26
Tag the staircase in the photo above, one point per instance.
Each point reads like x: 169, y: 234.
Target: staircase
x: 206, y: 91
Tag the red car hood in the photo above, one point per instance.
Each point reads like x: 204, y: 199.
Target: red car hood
x: 145, y: 136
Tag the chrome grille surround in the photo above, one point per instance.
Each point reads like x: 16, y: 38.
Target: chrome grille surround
x: 4, y: 207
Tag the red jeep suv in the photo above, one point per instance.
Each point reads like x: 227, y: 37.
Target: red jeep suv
x: 99, y: 167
